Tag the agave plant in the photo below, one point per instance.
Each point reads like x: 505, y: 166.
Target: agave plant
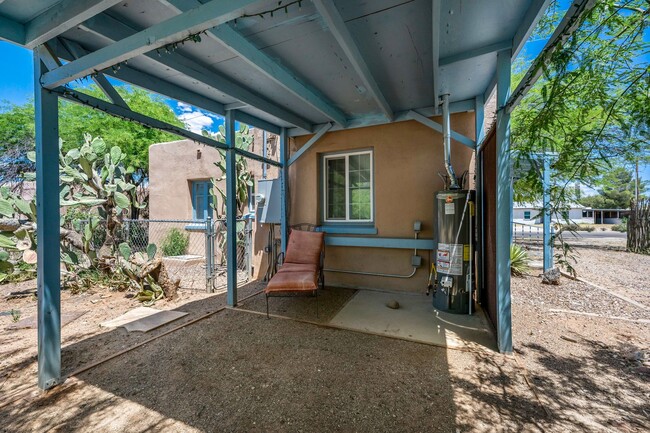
x: 519, y: 260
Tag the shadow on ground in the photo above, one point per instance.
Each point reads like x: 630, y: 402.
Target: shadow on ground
x: 238, y: 371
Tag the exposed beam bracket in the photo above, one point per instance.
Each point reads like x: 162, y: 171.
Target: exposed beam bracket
x: 438, y: 127
x: 321, y: 131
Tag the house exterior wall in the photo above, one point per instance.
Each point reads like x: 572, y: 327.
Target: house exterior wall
x: 172, y: 168
x: 407, y: 157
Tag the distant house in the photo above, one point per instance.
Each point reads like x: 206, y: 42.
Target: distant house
x: 531, y: 213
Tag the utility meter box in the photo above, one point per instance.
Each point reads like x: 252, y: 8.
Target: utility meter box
x: 268, y: 202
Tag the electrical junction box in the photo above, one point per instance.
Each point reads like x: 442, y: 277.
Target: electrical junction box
x: 268, y: 202
x: 416, y: 261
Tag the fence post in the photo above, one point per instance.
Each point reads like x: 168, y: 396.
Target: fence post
x: 209, y: 256
x: 248, y: 233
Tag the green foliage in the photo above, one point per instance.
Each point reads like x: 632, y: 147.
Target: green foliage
x: 591, y: 108
x: 175, y: 243
x: 243, y: 140
x: 133, y: 140
x: 621, y: 227
x: 617, y: 188
x: 15, y: 315
x: 519, y: 260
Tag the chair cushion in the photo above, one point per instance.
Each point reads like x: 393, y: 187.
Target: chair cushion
x: 292, y: 282
x: 299, y: 267
x: 304, y: 247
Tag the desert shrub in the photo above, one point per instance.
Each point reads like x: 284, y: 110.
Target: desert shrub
x: 622, y: 227
x: 519, y: 260
x: 572, y: 227
x: 175, y: 243
x: 587, y: 228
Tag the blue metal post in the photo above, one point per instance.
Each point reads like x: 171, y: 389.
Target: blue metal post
x: 284, y: 182
x: 231, y: 209
x: 47, y: 231
x: 548, y: 242
x: 479, y: 116
x: 504, y: 204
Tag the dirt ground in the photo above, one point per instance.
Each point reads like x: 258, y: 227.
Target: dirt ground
x: 237, y: 371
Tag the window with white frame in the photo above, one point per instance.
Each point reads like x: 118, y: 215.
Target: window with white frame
x: 348, y: 187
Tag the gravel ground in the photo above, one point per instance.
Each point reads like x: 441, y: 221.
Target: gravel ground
x: 625, y: 273
x: 237, y: 371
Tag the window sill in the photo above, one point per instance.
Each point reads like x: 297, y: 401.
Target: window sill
x: 348, y: 229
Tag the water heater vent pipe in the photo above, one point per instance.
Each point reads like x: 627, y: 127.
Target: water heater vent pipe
x: 446, y: 141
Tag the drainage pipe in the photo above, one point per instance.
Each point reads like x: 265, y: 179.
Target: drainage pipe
x: 446, y: 141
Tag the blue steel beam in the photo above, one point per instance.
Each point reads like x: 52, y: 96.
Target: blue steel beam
x: 503, y: 205
x: 327, y: 9
x: 12, y: 31
x: 401, y: 116
x: 76, y: 51
x: 62, y: 17
x: 163, y: 87
x: 47, y: 231
x: 128, y: 114
x: 526, y: 27
x: 319, y: 133
x: 231, y: 210
x: 570, y: 23
x: 479, y: 118
x: 438, y: 127
x: 243, y: 48
x: 480, y: 51
x: 172, y: 30
x: 115, y: 30
x: 548, y: 242
x: 236, y: 43
x: 284, y: 186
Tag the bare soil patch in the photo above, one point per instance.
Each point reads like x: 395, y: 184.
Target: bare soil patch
x: 237, y: 371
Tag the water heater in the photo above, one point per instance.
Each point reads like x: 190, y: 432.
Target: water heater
x: 454, y: 256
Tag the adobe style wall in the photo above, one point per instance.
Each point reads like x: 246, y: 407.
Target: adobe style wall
x: 172, y: 168
x: 407, y: 157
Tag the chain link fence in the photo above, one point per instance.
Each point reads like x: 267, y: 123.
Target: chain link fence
x: 193, y: 251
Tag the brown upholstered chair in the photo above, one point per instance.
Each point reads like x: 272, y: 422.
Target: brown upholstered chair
x: 301, y: 272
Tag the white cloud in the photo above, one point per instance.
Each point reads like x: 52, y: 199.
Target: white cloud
x: 185, y: 108
x: 194, y: 119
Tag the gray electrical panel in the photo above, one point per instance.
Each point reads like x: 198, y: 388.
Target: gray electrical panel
x: 268, y: 203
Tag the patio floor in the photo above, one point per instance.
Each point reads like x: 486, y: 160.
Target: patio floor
x: 366, y: 311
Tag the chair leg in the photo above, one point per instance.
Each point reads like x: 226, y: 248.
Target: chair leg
x: 317, y: 303
x: 267, y: 305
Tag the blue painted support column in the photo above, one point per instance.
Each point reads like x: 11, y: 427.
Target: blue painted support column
x: 47, y: 232
x: 504, y: 205
x: 548, y: 242
x: 231, y: 209
x: 479, y: 117
x: 284, y: 183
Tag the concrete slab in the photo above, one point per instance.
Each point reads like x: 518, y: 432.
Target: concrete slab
x: 32, y: 321
x: 153, y: 321
x: 129, y: 316
x: 415, y: 320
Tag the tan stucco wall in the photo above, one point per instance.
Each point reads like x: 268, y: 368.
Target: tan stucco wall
x: 407, y: 157
x: 174, y: 165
